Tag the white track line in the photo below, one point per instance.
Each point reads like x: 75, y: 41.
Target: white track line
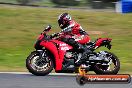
x: 52, y: 74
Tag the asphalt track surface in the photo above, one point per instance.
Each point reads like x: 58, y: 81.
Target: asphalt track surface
x: 24, y: 80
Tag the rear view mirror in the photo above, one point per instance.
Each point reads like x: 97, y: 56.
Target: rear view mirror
x: 48, y: 28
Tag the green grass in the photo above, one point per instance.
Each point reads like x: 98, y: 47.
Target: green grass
x: 20, y: 26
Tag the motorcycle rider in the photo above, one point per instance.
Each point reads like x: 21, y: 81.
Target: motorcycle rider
x: 79, y: 36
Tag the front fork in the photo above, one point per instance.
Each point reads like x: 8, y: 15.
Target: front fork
x: 41, y: 52
x: 43, y: 55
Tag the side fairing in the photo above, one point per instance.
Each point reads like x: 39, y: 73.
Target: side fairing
x: 62, y: 48
x: 58, y: 52
x: 52, y: 48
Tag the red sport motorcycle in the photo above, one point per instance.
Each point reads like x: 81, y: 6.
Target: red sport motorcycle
x: 52, y: 53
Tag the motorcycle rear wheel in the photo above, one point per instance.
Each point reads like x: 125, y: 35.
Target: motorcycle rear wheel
x: 98, y: 69
x: 38, y: 67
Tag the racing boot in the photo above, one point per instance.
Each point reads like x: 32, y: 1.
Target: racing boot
x: 82, y: 56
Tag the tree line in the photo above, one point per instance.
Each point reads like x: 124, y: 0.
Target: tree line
x: 93, y: 3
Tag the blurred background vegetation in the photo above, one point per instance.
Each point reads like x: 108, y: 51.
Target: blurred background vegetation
x: 97, y: 4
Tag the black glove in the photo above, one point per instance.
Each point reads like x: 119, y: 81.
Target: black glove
x: 54, y: 35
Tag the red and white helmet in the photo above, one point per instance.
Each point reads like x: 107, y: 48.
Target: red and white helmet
x: 64, y: 19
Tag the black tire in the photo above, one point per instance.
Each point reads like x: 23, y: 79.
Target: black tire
x: 35, y: 72
x: 81, y: 80
x: 115, y: 59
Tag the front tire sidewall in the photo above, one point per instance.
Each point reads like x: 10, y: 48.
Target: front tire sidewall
x: 35, y: 72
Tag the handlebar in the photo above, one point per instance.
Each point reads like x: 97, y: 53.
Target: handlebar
x: 55, y: 35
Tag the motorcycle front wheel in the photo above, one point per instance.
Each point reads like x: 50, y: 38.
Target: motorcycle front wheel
x: 37, y: 66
